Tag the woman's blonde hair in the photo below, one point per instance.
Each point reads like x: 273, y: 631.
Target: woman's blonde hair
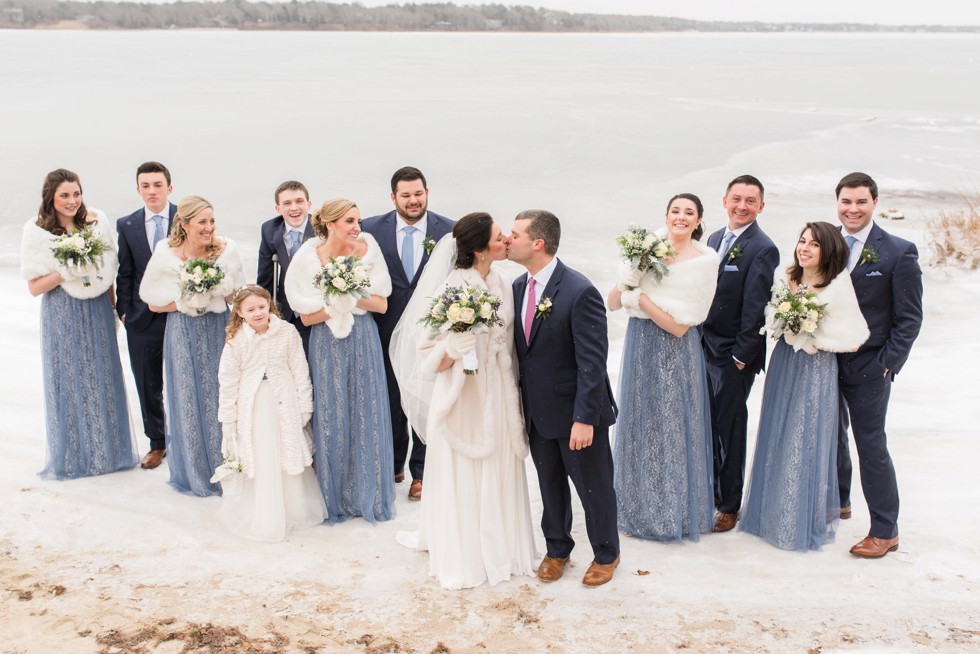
x: 330, y: 212
x: 187, y: 210
x: 245, y: 292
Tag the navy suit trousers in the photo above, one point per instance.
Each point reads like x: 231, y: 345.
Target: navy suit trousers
x: 730, y: 388
x: 146, y: 359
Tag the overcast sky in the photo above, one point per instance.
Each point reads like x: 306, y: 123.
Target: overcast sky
x: 886, y: 12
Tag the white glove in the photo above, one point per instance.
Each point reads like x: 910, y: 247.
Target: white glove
x: 631, y: 299
x: 630, y: 279
x: 229, y: 436
x: 341, y: 304
x: 459, y: 343
x: 67, y: 272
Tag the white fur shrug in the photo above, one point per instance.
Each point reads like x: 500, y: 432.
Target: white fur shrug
x: 279, y: 355
x: 478, y: 413
x: 37, y: 260
x: 306, y: 298
x: 160, y: 285
x: 843, y: 328
x: 685, y: 293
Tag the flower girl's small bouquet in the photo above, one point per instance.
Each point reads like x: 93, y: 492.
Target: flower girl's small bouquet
x: 342, y: 281
x: 198, y: 279
x: 645, y: 252
x: 81, y: 253
x: 794, y: 315
x: 231, y: 477
x: 463, y: 310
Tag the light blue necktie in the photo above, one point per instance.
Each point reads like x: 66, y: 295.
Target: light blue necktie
x: 726, y: 243
x: 295, y: 240
x: 408, y: 253
x: 850, y: 240
x: 158, y: 233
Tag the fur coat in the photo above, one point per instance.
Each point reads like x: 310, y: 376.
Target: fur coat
x: 36, y: 258
x: 478, y: 413
x: 278, y: 354
x: 306, y: 298
x: 843, y: 328
x: 685, y: 293
x: 160, y: 285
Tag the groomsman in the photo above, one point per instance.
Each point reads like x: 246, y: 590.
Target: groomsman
x: 280, y: 238
x: 139, y: 233
x: 562, y: 345
x: 406, y: 237
x: 888, y: 284
x: 734, y: 349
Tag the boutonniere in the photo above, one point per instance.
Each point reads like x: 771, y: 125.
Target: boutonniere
x: 735, y: 252
x: 428, y: 243
x: 868, y: 255
x: 543, y: 308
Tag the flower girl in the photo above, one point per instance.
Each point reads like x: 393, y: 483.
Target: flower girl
x: 265, y: 401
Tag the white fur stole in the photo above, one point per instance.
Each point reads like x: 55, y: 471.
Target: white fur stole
x: 685, y: 292
x: 161, y: 281
x: 36, y: 258
x: 843, y: 328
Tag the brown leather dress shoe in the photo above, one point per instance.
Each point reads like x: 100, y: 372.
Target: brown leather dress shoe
x: 599, y: 573
x: 875, y: 548
x: 400, y: 477
x: 551, y: 568
x: 845, y: 513
x: 415, y: 490
x: 725, y: 521
x: 152, y: 459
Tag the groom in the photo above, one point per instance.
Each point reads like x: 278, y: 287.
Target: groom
x: 567, y: 400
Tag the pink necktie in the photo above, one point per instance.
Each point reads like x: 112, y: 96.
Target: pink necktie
x: 529, y: 311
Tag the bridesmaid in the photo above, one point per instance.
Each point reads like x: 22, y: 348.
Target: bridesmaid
x: 193, y: 342
x: 662, y: 451
x: 352, y: 444
x: 86, y: 413
x: 793, y: 498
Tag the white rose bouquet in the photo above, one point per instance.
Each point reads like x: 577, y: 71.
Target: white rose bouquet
x: 463, y: 313
x: 794, y: 315
x: 645, y: 252
x: 199, y: 281
x: 80, y: 254
x: 342, y: 281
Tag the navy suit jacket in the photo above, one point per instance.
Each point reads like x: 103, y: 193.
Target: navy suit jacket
x: 889, y: 292
x: 738, y: 310
x: 382, y: 228
x: 271, y: 242
x: 134, y: 254
x: 563, y: 368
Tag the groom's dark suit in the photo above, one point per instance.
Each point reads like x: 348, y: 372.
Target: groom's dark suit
x: 144, y: 328
x: 731, y: 331
x: 889, y: 293
x: 273, y: 243
x: 563, y: 380
x: 382, y: 228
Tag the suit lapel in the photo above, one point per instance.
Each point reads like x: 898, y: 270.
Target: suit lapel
x: 873, y: 242
x: 551, y: 292
x: 386, y: 241
x: 520, y: 286
x: 278, y: 242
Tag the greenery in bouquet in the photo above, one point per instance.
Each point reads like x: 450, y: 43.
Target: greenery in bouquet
x: 797, y: 312
x: 197, y: 280
x: 80, y: 251
x: 646, y: 251
x: 459, y: 309
x: 343, y: 276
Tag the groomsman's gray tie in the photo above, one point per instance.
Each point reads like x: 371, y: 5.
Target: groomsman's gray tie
x: 726, y: 243
x: 296, y: 239
x: 158, y: 233
x: 850, y: 240
x: 408, y: 253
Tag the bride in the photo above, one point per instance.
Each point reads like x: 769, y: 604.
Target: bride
x: 475, y: 515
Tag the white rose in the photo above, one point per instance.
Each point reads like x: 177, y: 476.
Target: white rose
x: 661, y: 250
x: 486, y: 310
x: 809, y: 326
x: 784, y: 307
x: 360, y: 274
x: 439, y: 310
x: 649, y: 241
x: 467, y: 315
x: 813, y: 315
x: 339, y: 283
x: 453, y: 312
x: 212, y: 272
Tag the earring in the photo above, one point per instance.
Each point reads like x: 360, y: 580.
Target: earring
x: 483, y: 257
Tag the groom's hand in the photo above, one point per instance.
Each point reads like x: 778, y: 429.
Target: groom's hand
x: 581, y: 436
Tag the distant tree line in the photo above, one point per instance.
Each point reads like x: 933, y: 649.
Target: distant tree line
x: 315, y: 15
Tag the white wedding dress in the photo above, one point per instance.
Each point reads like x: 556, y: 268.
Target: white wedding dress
x: 475, y: 514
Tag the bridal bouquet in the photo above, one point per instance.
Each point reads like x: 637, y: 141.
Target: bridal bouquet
x: 342, y: 281
x: 197, y: 279
x: 463, y: 310
x: 81, y: 253
x: 645, y: 251
x: 793, y: 313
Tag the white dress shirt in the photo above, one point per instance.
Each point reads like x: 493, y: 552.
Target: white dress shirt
x: 541, y: 280
x: 151, y: 225
x: 417, y: 238
x: 861, y: 238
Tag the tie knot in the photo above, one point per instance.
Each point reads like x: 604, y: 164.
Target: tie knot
x: 158, y: 219
x: 410, y: 230
x: 850, y: 240
x: 530, y: 283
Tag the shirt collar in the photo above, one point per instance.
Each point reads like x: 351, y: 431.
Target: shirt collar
x: 302, y: 227
x: 862, y: 236
x: 420, y: 224
x: 148, y: 213
x: 543, y: 276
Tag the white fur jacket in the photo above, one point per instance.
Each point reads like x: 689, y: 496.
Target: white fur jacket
x: 304, y: 297
x: 161, y: 281
x: 37, y: 260
x: 277, y: 354
x: 477, y: 414
x: 685, y: 293
x: 843, y: 328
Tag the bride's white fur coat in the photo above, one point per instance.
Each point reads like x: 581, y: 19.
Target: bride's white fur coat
x: 161, y: 281
x: 306, y: 298
x: 685, y: 292
x: 36, y: 258
x: 459, y: 400
x: 843, y: 328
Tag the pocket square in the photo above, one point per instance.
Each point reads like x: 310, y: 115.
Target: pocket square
x: 731, y: 269
x: 873, y: 273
